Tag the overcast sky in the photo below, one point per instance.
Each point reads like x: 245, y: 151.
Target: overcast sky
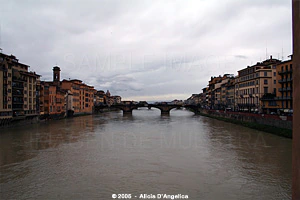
x: 145, y: 50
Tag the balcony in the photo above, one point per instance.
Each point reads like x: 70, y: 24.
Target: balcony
x: 15, y: 94
x: 281, y: 72
x: 246, y: 105
x: 285, y: 89
x: 268, y: 97
x: 17, y: 91
x: 284, y: 98
x: 18, y: 102
x: 4, y: 69
x: 14, y: 78
x: 289, y: 79
x: 17, y: 86
x: 17, y: 107
x: 282, y: 80
x: 285, y: 71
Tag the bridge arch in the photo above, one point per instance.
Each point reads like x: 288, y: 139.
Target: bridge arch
x: 164, y: 108
x: 126, y: 108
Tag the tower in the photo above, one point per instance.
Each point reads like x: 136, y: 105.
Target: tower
x: 56, y: 75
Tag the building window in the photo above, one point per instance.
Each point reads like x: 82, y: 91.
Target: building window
x: 86, y: 105
x: 265, y: 73
x: 265, y: 90
x: 272, y: 103
x: 9, y: 74
x: 9, y: 90
x: 274, y: 81
x: 266, y: 81
x: 274, y: 73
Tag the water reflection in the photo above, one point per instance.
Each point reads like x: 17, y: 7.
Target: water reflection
x: 95, y: 156
x: 26, y: 142
x: 253, y: 157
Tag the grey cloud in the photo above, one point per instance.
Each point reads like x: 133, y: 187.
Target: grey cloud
x: 118, y: 83
x: 241, y: 56
x: 144, y: 48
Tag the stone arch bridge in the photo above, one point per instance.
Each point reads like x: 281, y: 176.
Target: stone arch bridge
x: 163, y: 107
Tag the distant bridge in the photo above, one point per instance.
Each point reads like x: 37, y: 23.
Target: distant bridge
x: 165, y: 108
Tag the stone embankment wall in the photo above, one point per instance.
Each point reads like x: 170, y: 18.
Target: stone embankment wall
x: 5, y: 122
x: 18, y: 121
x: 285, y: 122
x: 279, y: 125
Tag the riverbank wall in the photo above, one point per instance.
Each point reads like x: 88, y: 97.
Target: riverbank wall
x: 18, y: 121
x: 278, y: 125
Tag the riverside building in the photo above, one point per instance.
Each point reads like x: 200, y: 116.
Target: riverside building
x: 255, y: 84
x: 18, y: 89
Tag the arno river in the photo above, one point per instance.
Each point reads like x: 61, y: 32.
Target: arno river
x: 94, y: 157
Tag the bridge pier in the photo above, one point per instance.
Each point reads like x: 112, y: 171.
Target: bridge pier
x: 165, y: 112
x: 127, y: 112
